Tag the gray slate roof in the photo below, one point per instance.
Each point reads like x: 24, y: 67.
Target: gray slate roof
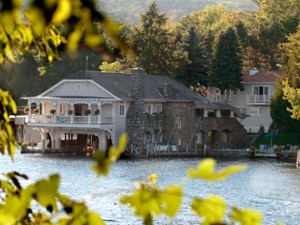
x: 119, y: 84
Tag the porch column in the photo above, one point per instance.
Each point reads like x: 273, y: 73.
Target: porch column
x: 218, y: 113
x: 113, y: 112
x: 43, y: 108
x: 205, y: 113
x: 72, y: 116
x: 100, y: 111
x: 89, y: 116
x: 54, y: 115
x: 232, y: 114
x: 102, y: 141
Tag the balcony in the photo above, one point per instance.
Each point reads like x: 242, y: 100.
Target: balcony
x: 63, y: 119
x: 258, y: 99
x: 219, y: 98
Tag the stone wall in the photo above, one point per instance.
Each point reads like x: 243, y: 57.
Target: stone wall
x: 175, y: 114
x: 234, y: 131
x: 135, y: 113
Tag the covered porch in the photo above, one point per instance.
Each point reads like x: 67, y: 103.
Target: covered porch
x: 70, y: 110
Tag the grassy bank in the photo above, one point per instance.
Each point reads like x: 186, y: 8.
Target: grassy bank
x: 281, y: 139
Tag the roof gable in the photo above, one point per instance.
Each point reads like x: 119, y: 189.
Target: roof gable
x: 119, y: 84
x: 262, y: 76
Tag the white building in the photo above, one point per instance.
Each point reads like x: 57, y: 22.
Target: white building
x: 255, y: 100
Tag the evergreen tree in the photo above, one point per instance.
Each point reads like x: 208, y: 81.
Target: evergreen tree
x: 196, y: 72
x: 155, y: 47
x: 282, y: 120
x: 226, y: 68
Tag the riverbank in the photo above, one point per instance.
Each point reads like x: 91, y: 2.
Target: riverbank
x: 213, y: 153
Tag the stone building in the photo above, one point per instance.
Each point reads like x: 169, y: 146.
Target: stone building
x: 90, y: 109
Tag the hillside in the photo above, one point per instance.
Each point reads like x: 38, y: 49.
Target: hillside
x: 129, y: 10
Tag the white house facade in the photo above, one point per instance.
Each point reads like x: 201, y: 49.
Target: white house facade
x: 255, y: 100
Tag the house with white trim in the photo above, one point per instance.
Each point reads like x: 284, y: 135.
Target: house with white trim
x: 89, y: 110
x: 254, y: 101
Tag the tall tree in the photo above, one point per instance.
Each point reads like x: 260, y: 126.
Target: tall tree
x: 281, y: 117
x: 226, y: 71
x: 291, y: 85
x: 275, y: 21
x: 155, y: 47
x: 196, y: 72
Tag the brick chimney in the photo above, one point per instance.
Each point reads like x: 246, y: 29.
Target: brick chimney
x: 253, y: 71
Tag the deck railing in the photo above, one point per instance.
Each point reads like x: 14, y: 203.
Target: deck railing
x: 258, y: 99
x: 70, y: 119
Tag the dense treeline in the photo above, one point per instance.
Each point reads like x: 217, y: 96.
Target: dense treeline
x: 129, y: 10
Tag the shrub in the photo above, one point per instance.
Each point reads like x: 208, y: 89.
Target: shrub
x: 35, y: 111
x: 87, y: 112
x: 26, y: 110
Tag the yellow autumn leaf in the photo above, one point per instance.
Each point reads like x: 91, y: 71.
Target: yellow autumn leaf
x: 246, y: 216
x: 171, y: 200
x: 206, y: 171
x: 151, y: 201
x: 103, y: 161
x: 63, y: 11
x: 45, y: 191
x: 212, y: 209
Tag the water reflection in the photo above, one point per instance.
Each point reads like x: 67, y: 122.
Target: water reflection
x: 269, y: 186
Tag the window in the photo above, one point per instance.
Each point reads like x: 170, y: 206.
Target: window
x: 78, y: 87
x: 200, y: 112
x: 261, y: 90
x: 149, y: 109
x: 179, y: 124
x: 212, y: 113
x: 225, y: 113
x: 198, y: 138
x: 255, y: 111
x: 179, y: 141
x: 158, y: 109
x: 122, y: 109
x: 243, y: 110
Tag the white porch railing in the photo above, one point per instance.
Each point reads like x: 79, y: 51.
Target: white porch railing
x: 218, y: 98
x: 258, y: 99
x: 70, y: 119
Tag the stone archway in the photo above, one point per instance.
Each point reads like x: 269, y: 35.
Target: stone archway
x: 225, y: 137
x: 213, y: 139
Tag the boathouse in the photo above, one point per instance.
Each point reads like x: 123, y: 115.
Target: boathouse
x: 89, y: 110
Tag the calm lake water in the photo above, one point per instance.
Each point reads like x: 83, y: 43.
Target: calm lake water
x: 267, y: 185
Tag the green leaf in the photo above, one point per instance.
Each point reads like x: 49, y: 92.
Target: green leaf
x: 206, y: 171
